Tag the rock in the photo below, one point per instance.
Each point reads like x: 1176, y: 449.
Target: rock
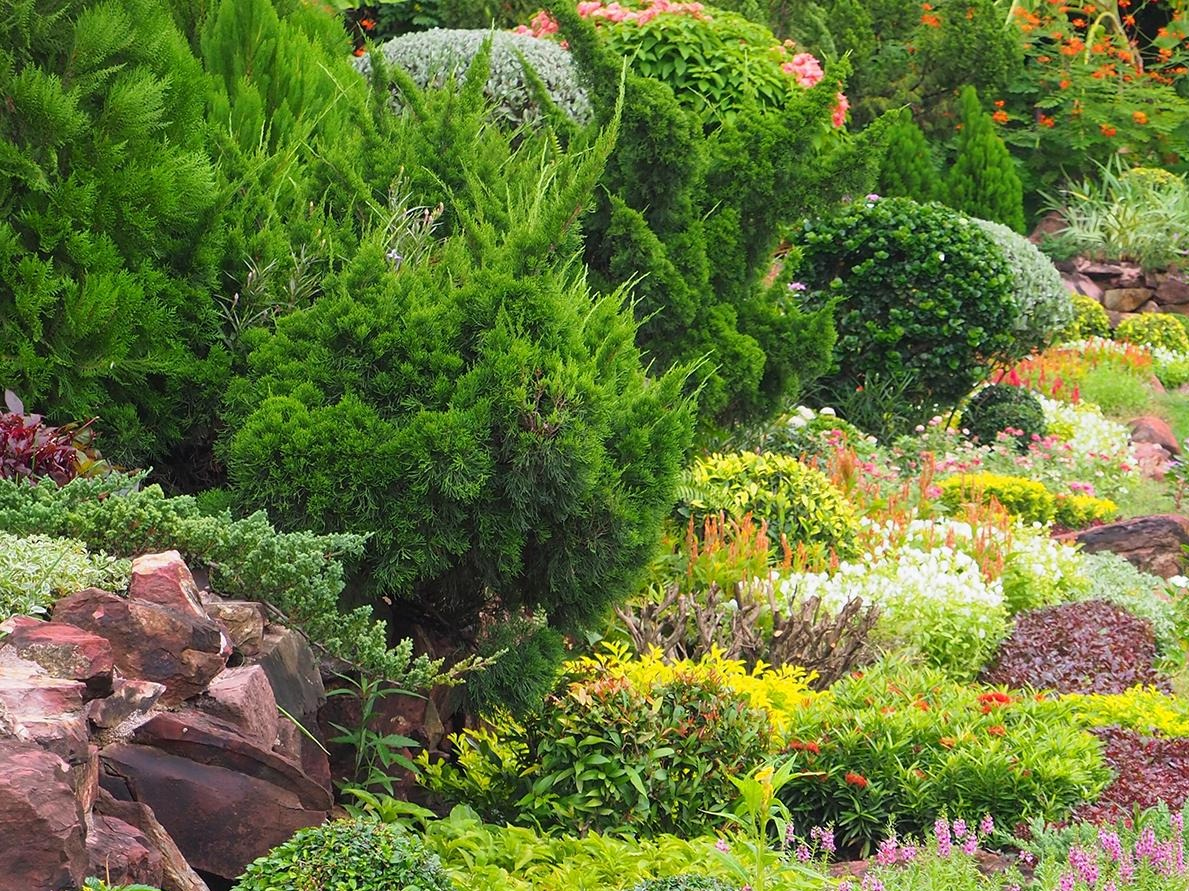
x: 1051, y: 223
x: 1172, y: 289
x: 1101, y: 270
x: 1132, y: 276
x: 1082, y: 284
x: 165, y: 579
x: 293, y: 672
x: 224, y: 800
x: 12, y: 623
x: 243, y: 697
x: 121, y: 854
x: 1150, y: 306
x: 243, y: 620
x: 41, y: 822
x: 129, y: 700
x: 66, y: 651
x: 1126, y: 299
x: 1154, y: 461
x: 1151, y: 543
x: 176, y: 873
x: 1149, y: 428
x: 150, y: 641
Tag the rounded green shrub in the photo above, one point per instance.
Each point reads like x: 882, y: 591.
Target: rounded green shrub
x: 523, y: 675
x: 1080, y: 511
x: 360, y: 854
x: 433, y: 57
x: 1020, y: 497
x: 999, y: 407
x: 919, y: 289
x: 1043, y: 300
x: 1155, y: 329
x: 685, y: 882
x: 796, y: 500
x: 1089, y: 319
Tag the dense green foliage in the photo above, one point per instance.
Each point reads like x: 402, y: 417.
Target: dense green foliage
x: 909, y: 169
x: 1154, y: 329
x: 983, y: 181
x: 299, y: 573
x: 994, y: 409
x: 361, y: 854
x: 529, y: 652
x: 695, y: 218
x: 797, y: 502
x: 1019, y: 496
x: 432, y: 57
x: 1043, y: 300
x: 921, y: 290
x: 106, y: 258
x: 36, y: 569
x: 474, y: 410
x: 685, y: 882
x: 1089, y: 319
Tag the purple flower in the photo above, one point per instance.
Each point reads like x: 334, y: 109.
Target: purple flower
x: 959, y: 829
x: 798, y: 286
x: 872, y: 197
x: 824, y: 838
x: 803, y: 853
x: 908, y: 853
x: 871, y: 883
x: 1108, y: 840
x: 1066, y: 882
x: 987, y: 825
x: 722, y: 845
x: 970, y: 846
x: 888, y: 852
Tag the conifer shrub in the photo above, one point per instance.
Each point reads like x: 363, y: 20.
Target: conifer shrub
x: 1089, y: 319
x: 362, y: 854
x: 477, y: 413
x: 107, y: 259
x: 1044, y: 302
x: 432, y: 57
x: 983, y: 180
x: 694, y: 218
x: 919, y: 290
x: 523, y: 675
x: 1154, y: 329
x: 909, y: 169
x: 1000, y: 407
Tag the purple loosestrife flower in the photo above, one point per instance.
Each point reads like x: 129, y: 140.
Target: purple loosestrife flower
x: 941, y: 829
x: 888, y: 852
x: 970, y: 846
x: 959, y: 829
x: 1108, y: 840
x: 798, y: 286
x: 722, y: 845
x: 1084, y: 864
x: 803, y: 854
x: 1066, y: 882
x: 987, y: 824
x: 908, y: 853
x: 824, y: 838
x: 871, y: 883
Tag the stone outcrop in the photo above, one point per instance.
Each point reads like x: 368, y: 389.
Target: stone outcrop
x: 97, y: 777
x: 1154, y: 544
x: 1124, y: 289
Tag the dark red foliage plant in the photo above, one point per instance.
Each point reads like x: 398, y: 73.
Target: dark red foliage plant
x: 1148, y: 771
x: 1087, y: 647
x: 31, y: 449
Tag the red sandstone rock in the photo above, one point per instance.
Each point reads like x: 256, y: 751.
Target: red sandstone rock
x: 293, y: 672
x: 176, y: 874
x: 1126, y: 299
x: 150, y: 641
x: 65, y: 651
x: 1157, y: 431
x: 1154, y: 544
x: 243, y: 697
x: 41, y: 822
x: 243, y: 621
x: 121, y: 854
x: 130, y: 698
x: 165, y: 579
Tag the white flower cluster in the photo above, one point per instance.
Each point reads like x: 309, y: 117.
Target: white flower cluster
x: 1040, y: 571
x: 803, y: 414
x: 1087, y: 431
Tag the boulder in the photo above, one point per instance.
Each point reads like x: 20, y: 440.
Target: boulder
x: 130, y: 700
x: 121, y: 854
x: 293, y: 672
x: 1126, y: 299
x: 1150, y: 428
x: 1172, y: 289
x: 150, y: 641
x: 224, y: 800
x: 65, y: 651
x: 1154, y: 544
x: 176, y: 873
x: 1082, y: 284
x: 165, y: 579
x: 243, y: 621
x: 41, y: 822
x: 243, y: 697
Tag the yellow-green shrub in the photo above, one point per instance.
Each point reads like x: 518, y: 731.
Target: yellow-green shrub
x: 1089, y: 319
x: 1154, y: 329
x: 796, y: 500
x: 1142, y: 709
x: 1080, y: 511
x: 1021, y: 497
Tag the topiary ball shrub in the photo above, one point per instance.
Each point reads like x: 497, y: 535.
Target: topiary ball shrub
x: 433, y: 57
x: 1156, y: 329
x: 919, y: 289
x: 1086, y: 647
x: 685, y: 882
x: 798, y: 502
x: 360, y: 854
x: 1089, y: 319
x: 1041, y: 296
x: 1000, y: 407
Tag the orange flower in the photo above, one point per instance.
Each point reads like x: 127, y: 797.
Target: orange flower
x: 999, y: 117
x: 947, y: 742
x: 994, y: 699
x: 1044, y: 60
x: 997, y: 730
x: 1079, y: 23
x: 1065, y: 84
x: 1139, y: 117
x: 1128, y: 20
x: 367, y: 24
x: 1045, y: 121
x: 999, y: 103
x: 931, y: 20
x: 359, y: 50
x: 856, y: 779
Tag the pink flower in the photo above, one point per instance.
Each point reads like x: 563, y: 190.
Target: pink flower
x: 840, y: 110
x: 805, y: 68
x: 588, y: 7
x: 722, y: 846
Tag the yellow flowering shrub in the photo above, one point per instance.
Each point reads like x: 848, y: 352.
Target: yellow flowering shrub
x: 1142, y: 709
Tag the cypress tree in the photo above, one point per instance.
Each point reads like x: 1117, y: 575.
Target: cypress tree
x: 983, y: 181
x: 909, y: 169
x: 107, y: 256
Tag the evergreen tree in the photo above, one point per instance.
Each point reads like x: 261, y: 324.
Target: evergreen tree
x: 983, y: 181
x: 107, y: 254
x: 909, y: 169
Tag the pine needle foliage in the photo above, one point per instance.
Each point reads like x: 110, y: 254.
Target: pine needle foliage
x: 909, y: 168
x: 695, y: 214
x: 478, y: 413
x: 106, y: 255
x: 983, y: 181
